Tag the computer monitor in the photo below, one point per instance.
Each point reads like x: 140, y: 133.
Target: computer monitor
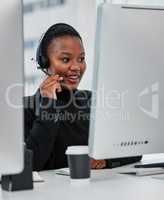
x: 127, y: 113
x: 11, y: 88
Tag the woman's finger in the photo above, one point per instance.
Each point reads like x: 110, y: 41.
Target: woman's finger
x: 51, y: 83
x: 51, y: 78
x: 98, y: 164
x: 93, y: 164
x: 58, y: 87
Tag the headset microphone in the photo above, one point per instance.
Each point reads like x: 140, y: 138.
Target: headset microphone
x: 45, y: 71
x: 41, y: 68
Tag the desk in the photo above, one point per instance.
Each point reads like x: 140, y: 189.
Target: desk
x: 105, y: 184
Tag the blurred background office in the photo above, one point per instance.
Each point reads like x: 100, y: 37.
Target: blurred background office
x: 40, y: 14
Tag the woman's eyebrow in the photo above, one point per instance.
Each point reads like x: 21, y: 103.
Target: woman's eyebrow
x: 69, y: 54
x: 66, y: 53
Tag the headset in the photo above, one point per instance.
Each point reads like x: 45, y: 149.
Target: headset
x: 42, y: 60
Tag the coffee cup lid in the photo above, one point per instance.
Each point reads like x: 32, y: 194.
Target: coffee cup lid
x: 77, y: 150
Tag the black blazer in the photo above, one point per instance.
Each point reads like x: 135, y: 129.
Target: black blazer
x: 51, y: 126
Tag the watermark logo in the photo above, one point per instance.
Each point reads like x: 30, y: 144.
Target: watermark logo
x: 113, y: 103
x: 10, y: 95
x: 153, y: 91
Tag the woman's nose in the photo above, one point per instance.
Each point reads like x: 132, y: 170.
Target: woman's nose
x: 75, y: 67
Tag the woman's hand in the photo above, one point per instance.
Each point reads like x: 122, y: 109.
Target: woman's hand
x: 98, y: 164
x: 50, y: 85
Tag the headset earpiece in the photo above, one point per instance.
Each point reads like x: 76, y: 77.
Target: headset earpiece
x: 40, y: 58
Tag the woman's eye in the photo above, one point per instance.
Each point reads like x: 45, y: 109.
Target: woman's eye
x: 65, y: 60
x: 81, y: 59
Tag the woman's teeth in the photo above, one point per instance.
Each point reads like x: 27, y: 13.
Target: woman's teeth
x: 73, y: 77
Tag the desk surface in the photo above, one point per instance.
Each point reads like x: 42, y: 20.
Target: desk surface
x: 105, y: 184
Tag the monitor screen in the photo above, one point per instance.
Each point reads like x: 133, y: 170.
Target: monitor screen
x: 127, y: 114
x: 11, y: 89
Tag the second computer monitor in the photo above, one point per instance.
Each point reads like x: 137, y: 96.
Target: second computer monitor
x: 11, y: 88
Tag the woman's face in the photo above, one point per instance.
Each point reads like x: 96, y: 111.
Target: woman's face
x: 67, y: 59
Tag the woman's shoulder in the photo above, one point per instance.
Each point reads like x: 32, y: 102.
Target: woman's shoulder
x: 30, y: 102
x: 84, y: 93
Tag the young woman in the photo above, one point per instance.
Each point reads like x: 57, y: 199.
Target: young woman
x: 58, y: 115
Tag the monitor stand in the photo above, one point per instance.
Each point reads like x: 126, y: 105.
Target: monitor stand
x: 21, y: 181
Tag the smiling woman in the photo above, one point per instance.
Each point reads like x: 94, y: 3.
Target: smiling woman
x: 67, y: 58
x: 58, y: 115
